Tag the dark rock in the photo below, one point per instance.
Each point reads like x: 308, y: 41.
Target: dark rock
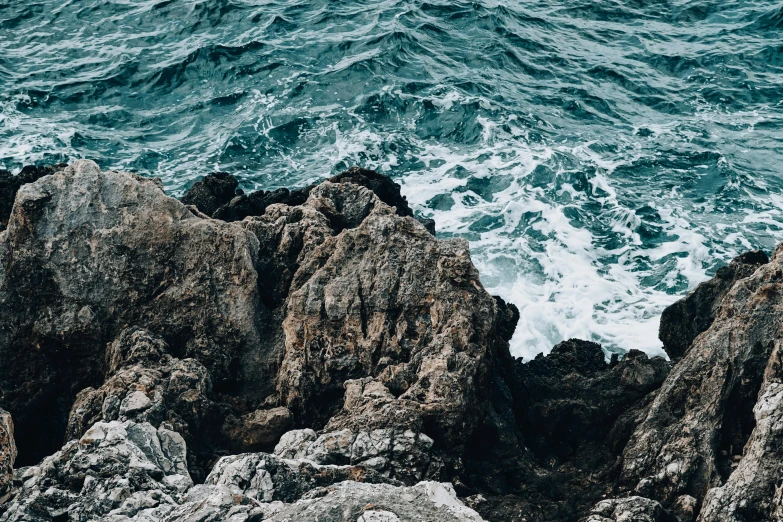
x: 693, y: 314
x: 257, y: 430
x: 211, y: 192
x: 256, y: 203
x: 10, y: 184
x: 573, y: 397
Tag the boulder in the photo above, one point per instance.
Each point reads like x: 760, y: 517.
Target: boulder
x: 348, y: 501
x: 146, y: 384
x: 628, y: 509
x: 260, y: 429
x: 116, y: 470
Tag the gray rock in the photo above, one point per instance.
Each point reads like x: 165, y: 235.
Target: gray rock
x: 348, y: 501
x: 149, y: 385
x: 718, y: 405
x: 628, y: 509
x: 7, y: 452
x: 295, y: 443
x: 115, y: 470
x: 88, y: 253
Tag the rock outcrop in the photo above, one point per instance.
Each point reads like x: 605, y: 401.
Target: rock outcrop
x: 317, y: 354
x: 688, y: 317
x: 7, y: 452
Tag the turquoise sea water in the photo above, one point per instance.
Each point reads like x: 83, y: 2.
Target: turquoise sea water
x: 601, y: 156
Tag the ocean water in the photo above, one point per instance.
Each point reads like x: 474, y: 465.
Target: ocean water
x: 601, y: 156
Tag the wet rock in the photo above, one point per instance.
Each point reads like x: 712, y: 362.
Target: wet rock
x: 256, y: 203
x: 718, y: 403
x: 211, y: 192
x: 629, y: 509
x: 573, y: 397
x: 694, y: 313
x: 7, y: 452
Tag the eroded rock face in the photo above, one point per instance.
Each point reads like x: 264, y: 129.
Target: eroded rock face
x: 693, y: 314
x: 384, y: 299
x: 711, y: 431
x: 138, y: 326
x: 87, y: 253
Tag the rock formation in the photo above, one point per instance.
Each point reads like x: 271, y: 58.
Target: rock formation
x: 317, y: 354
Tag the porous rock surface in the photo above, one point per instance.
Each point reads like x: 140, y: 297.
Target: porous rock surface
x: 316, y: 354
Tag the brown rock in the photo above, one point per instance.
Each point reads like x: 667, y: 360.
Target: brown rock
x: 258, y: 430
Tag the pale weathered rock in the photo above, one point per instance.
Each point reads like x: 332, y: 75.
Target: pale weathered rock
x: 115, y: 470
x: 149, y: 385
x: 265, y: 478
x: 753, y: 490
x: 295, y: 443
x: 7, y: 452
x: 347, y: 501
x: 629, y: 509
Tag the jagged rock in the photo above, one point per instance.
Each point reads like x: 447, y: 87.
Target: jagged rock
x: 348, y: 501
x: 115, y: 470
x: 573, y: 397
x: 694, y: 313
x: 258, y: 430
x: 211, y: 192
x: 147, y: 384
x: 702, y: 420
x: 629, y: 509
x: 87, y: 253
x: 7, y: 452
x: 574, y: 412
x: 294, y: 444
x: 753, y: 491
x: 264, y: 477
x: 10, y: 184
x: 384, y: 299
x: 256, y: 203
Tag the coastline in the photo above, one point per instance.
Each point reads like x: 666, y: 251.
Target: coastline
x: 293, y: 354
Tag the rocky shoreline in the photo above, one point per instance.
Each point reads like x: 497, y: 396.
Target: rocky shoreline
x: 317, y: 354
